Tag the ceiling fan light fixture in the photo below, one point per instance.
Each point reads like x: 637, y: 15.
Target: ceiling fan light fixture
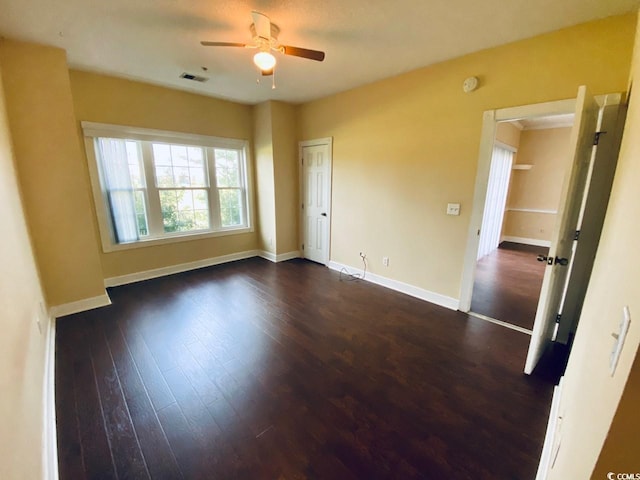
x: 264, y: 60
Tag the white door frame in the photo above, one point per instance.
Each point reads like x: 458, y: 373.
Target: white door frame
x: 310, y: 143
x: 490, y: 118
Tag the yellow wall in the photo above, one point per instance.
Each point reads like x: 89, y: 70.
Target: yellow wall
x: 508, y: 134
x: 51, y: 170
x: 591, y: 395
x: 277, y: 187
x: 405, y: 147
x: 538, y: 188
x: 620, y: 451
x: 21, y: 345
x: 265, y: 187
x: 104, y: 99
x: 286, y: 179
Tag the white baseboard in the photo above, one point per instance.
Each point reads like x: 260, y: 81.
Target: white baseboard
x: 49, y: 432
x: 283, y: 257
x: 417, y: 292
x: 181, y: 267
x: 527, y: 241
x: 83, y: 305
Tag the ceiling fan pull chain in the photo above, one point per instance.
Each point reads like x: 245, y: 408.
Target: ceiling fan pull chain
x: 273, y: 80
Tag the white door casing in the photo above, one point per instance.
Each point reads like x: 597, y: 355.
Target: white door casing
x: 571, y: 200
x: 315, y: 194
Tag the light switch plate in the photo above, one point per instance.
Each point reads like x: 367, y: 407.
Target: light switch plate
x: 453, y: 209
x: 620, y: 337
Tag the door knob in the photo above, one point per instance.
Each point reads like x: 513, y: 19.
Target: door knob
x: 562, y: 261
x: 323, y: 214
x: 544, y: 258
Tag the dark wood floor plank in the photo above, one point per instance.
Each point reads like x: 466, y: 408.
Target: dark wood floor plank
x: 147, y: 367
x: 507, y: 284
x: 157, y: 452
x: 69, y: 443
x: 260, y: 370
x: 123, y: 440
x: 96, y: 451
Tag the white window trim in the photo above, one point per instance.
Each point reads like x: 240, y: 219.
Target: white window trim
x: 92, y: 130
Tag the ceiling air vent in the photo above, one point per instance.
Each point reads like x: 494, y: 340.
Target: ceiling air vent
x: 195, y: 78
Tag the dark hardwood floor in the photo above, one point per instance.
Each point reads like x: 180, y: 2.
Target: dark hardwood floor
x: 253, y: 370
x: 507, y: 284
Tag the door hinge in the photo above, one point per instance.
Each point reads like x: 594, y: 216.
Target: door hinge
x: 576, y: 236
x: 303, y: 206
x: 302, y: 161
x: 558, y: 317
x: 596, y: 137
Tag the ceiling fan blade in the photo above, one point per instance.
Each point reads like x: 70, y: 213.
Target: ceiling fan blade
x: 223, y: 44
x: 266, y: 73
x: 262, y: 25
x: 303, y: 52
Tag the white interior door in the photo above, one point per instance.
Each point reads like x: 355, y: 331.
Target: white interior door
x: 496, y: 200
x: 316, y: 198
x: 560, y: 253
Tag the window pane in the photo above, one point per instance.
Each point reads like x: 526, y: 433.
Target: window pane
x: 179, y: 166
x: 164, y: 176
x: 178, y: 212
x: 200, y: 200
x: 181, y: 177
x: 230, y: 207
x: 227, y: 168
x: 141, y: 213
x: 133, y: 160
x: 185, y: 201
x: 196, y: 157
x: 179, y: 155
x: 197, y: 177
x: 201, y: 218
x: 161, y: 154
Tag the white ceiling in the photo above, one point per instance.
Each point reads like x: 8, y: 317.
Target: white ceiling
x: 364, y: 40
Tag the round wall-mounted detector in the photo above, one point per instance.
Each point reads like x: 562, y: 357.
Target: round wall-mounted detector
x: 470, y: 84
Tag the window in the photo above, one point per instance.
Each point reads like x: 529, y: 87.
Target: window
x: 154, y: 187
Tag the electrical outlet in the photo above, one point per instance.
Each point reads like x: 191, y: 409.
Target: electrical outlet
x: 385, y: 261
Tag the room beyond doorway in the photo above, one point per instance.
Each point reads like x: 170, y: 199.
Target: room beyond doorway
x: 529, y: 159
x: 507, y: 284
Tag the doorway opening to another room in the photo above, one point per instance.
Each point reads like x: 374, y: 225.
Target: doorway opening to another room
x: 529, y: 159
x: 585, y: 184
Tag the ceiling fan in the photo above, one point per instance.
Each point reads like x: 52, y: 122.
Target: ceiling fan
x: 264, y: 37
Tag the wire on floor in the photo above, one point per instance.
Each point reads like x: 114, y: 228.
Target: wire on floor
x: 345, y: 275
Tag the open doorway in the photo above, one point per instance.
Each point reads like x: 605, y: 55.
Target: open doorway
x: 529, y: 159
x: 594, y: 145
